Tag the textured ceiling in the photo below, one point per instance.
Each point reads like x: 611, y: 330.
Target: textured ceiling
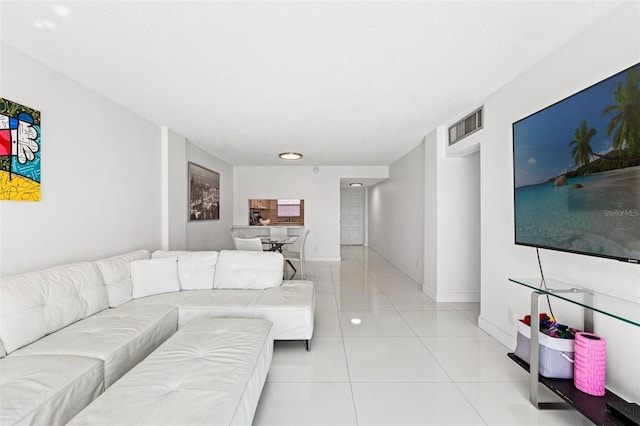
x: 345, y: 83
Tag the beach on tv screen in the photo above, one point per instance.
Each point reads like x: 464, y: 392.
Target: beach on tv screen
x: 577, y: 171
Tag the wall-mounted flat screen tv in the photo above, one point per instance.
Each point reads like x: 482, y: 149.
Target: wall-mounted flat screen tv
x: 577, y: 172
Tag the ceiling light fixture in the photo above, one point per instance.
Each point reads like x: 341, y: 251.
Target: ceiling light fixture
x: 290, y: 155
x: 355, y: 184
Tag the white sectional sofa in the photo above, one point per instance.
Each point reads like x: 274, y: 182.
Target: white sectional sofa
x: 70, y: 332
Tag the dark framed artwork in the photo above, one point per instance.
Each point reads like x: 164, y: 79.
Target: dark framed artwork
x: 204, y: 193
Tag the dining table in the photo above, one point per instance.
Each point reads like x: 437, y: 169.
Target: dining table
x: 277, y: 244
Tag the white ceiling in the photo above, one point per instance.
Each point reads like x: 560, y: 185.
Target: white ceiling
x: 345, y: 83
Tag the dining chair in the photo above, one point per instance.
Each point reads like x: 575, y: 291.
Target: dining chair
x: 278, y: 232
x: 248, y: 244
x: 296, y: 252
x: 237, y: 234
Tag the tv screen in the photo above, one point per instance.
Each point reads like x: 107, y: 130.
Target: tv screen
x: 577, y: 172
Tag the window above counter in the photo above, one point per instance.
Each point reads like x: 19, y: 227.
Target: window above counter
x: 276, y: 212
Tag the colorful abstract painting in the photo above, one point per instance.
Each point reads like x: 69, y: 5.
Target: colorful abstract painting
x: 19, y: 152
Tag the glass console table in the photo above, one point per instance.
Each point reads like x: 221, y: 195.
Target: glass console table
x: 592, y: 407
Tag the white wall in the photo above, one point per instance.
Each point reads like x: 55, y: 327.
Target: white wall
x: 606, y: 48
x: 101, y: 170
x: 321, y: 194
x: 396, y: 214
x: 430, y: 282
x: 452, y: 227
x: 174, y: 191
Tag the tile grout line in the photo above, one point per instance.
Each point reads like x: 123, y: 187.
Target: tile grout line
x: 344, y: 350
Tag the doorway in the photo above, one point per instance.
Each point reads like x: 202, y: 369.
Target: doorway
x: 352, y: 210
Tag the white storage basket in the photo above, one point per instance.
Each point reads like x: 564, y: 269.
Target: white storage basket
x: 554, y: 353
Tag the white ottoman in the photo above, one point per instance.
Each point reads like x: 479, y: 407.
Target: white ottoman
x: 210, y: 372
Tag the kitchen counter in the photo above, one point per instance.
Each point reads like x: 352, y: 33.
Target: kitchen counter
x: 261, y: 226
x: 251, y: 231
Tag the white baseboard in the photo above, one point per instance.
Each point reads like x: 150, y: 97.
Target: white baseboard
x: 322, y: 258
x: 504, y: 337
x: 429, y: 291
x: 463, y: 297
x: 451, y: 297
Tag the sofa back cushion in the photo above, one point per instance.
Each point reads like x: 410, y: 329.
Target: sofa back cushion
x: 195, y: 268
x: 116, y: 274
x: 248, y: 270
x: 39, y: 303
x: 154, y: 276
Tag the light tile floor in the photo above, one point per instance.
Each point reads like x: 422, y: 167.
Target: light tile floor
x: 409, y: 361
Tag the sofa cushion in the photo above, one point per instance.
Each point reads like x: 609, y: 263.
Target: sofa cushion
x: 290, y: 307
x: 248, y: 270
x: 210, y: 372
x: 35, y: 304
x: 154, y: 276
x: 120, y: 337
x: 195, y: 268
x: 163, y: 299
x: 217, y: 303
x: 117, y: 275
x: 47, y: 389
x: 204, y: 303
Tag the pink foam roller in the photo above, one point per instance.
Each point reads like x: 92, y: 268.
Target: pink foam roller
x: 590, y: 361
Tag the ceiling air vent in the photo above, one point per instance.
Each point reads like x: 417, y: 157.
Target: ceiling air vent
x: 468, y: 125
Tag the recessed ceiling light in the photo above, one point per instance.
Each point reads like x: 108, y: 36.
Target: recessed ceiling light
x: 356, y: 321
x: 290, y: 155
x: 355, y: 184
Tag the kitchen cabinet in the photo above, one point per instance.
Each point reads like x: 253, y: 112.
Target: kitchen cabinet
x: 259, y: 204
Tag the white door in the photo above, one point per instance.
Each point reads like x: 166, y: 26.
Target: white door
x: 352, y: 216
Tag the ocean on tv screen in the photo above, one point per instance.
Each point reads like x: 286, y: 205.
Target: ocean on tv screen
x: 601, y: 218
x: 577, y: 171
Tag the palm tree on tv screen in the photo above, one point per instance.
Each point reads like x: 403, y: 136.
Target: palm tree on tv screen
x: 582, y: 151
x: 626, y: 121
